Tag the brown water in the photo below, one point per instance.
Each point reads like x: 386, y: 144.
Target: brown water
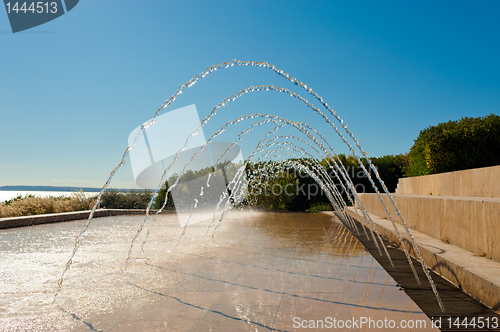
x: 258, y: 273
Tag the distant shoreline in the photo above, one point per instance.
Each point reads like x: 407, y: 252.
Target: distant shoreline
x: 55, y: 188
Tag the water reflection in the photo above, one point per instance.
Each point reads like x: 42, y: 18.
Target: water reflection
x: 258, y: 272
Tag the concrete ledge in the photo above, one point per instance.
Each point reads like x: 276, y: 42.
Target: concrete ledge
x: 477, y: 276
x: 470, y: 223
x: 66, y: 216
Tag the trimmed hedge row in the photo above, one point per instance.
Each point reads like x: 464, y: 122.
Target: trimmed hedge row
x: 456, y: 145
x: 451, y: 146
x: 304, y: 193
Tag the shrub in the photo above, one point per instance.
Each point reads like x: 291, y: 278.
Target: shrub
x: 308, y: 195
x: 160, y: 199
x: 114, y: 199
x: 190, y: 183
x: 32, y: 205
x: 320, y: 207
x: 272, y: 193
x: 390, y: 169
x: 456, y: 145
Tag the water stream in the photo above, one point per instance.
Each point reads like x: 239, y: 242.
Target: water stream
x: 278, y: 160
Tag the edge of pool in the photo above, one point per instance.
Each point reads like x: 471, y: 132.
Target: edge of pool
x: 24, y: 221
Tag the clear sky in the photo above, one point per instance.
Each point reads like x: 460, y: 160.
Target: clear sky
x: 73, y: 89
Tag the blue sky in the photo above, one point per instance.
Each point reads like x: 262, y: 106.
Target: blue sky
x: 73, y: 89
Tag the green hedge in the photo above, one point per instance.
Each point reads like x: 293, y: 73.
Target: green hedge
x: 390, y: 168
x: 114, y: 199
x: 306, y: 194
x: 456, y: 145
x: 190, y: 181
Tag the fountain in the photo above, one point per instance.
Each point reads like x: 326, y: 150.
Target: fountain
x: 180, y: 162
x: 215, y: 264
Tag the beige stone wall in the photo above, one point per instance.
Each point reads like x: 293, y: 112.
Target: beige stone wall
x: 478, y: 182
x: 476, y: 276
x: 472, y: 223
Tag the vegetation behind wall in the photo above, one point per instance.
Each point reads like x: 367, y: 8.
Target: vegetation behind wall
x: 456, y: 145
x: 451, y: 146
x: 32, y: 205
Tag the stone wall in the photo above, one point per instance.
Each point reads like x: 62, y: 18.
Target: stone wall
x: 472, y: 223
x: 460, y: 208
x: 478, y: 182
x: 457, y: 210
x: 476, y: 276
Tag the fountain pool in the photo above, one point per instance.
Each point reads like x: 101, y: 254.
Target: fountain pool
x: 261, y: 271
